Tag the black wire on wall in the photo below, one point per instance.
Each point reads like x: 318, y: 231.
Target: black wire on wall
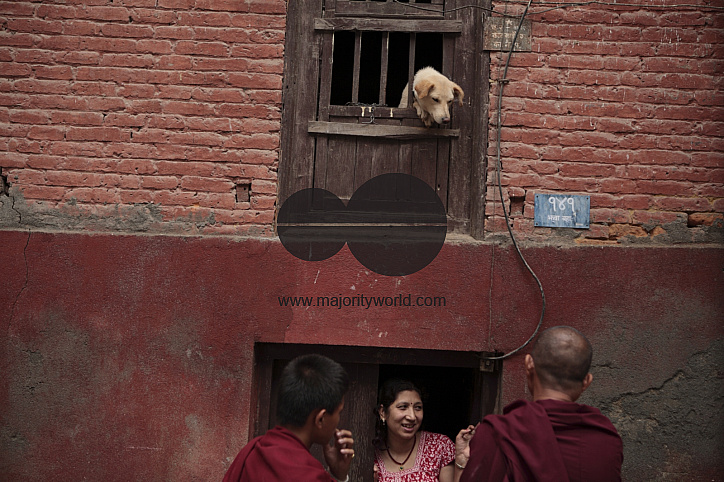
x: 501, y: 83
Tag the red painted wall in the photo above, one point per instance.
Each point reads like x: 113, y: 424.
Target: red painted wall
x: 130, y: 357
x: 149, y: 115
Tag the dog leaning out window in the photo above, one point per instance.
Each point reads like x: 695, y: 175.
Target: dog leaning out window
x: 433, y: 94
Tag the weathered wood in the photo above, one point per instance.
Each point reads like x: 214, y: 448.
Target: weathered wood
x: 378, y: 130
x: 424, y: 160
x: 299, y: 98
x: 388, y: 25
x: 381, y: 112
x: 480, y: 64
x: 362, y: 395
x: 355, y: 70
x: 369, y: 150
x: 346, y: 151
x: 322, y: 156
x: 389, y: 9
x: 466, y: 173
x: 383, y: 67
x: 342, y: 162
x: 442, y: 168
x: 410, y: 69
x: 444, y: 148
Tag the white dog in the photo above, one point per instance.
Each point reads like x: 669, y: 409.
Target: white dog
x: 433, y: 93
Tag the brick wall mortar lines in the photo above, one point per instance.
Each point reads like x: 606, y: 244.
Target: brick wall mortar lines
x: 160, y: 108
x: 622, y: 104
x: 142, y: 114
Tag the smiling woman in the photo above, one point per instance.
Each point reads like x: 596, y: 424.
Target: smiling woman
x: 403, y: 452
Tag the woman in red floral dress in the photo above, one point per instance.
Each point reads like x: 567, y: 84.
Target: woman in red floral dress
x: 403, y: 452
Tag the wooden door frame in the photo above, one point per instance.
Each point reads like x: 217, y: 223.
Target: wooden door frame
x: 362, y: 364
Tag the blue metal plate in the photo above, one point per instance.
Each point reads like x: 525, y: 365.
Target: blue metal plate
x: 562, y: 211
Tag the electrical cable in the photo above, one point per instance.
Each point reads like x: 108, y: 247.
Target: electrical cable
x: 501, y: 83
x: 504, y: 80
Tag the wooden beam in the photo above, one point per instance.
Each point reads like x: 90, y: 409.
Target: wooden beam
x: 388, y: 25
x: 378, y: 130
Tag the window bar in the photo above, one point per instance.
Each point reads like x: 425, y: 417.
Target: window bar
x: 383, y: 68
x: 448, y: 42
x: 355, y: 74
x: 411, y: 69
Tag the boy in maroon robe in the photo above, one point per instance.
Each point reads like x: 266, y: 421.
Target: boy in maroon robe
x: 552, y: 438
x: 311, y: 391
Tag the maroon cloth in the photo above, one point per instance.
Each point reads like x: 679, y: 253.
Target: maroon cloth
x: 277, y: 456
x: 547, y: 440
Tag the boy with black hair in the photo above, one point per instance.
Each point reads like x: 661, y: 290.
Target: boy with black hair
x: 310, y: 399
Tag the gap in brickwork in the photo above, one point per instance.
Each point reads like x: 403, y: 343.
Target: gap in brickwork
x: 4, y: 186
x: 243, y: 192
x: 517, y: 204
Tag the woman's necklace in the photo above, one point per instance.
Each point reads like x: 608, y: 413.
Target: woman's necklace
x: 402, y: 464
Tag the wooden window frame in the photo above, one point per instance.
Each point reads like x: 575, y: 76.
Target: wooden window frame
x: 308, y: 61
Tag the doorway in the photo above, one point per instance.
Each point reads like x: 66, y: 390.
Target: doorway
x: 458, y: 389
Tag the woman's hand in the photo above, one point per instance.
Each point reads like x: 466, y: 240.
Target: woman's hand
x: 462, y: 446
x: 339, y: 456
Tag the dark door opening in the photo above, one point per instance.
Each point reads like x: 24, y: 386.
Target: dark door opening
x: 457, y: 390
x: 447, y: 395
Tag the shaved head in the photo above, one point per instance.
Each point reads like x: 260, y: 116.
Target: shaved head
x: 562, y: 357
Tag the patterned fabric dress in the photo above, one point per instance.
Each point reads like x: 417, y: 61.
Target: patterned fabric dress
x: 435, y: 452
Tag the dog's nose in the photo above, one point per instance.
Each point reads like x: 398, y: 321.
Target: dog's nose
x: 445, y: 120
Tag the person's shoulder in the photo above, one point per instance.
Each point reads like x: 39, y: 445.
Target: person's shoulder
x: 519, y: 408
x: 568, y: 413
x: 518, y: 405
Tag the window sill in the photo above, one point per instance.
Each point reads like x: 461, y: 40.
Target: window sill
x: 378, y: 130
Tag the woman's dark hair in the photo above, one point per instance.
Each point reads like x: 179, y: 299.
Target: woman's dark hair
x: 309, y: 383
x: 386, y: 397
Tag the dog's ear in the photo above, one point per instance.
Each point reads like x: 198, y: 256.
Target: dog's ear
x: 423, y: 88
x: 458, y: 93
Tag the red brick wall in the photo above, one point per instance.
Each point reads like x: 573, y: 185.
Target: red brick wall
x: 620, y: 103
x: 145, y: 115
x: 141, y: 115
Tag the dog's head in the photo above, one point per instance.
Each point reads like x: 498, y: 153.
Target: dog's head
x: 435, y: 93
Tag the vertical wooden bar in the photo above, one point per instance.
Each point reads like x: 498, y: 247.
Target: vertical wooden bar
x: 467, y: 176
x: 321, y: 150
x: 342, y: 162
x: 444, y: 146
x: 362, y: 395
x: 441, y: 175
x: 411, y: 68
x: 407, y: 150
x: 383, y: 67
x: 448, y: 52
x: 476, y: 107
x: 301, y: 77
x: 355, y: 74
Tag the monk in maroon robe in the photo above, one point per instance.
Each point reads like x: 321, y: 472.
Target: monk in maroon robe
x: 551, y: 438
x: 311, y: 391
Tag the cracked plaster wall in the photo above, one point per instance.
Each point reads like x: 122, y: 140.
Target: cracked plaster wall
x: 674, y: 431
x: 133, y: 354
